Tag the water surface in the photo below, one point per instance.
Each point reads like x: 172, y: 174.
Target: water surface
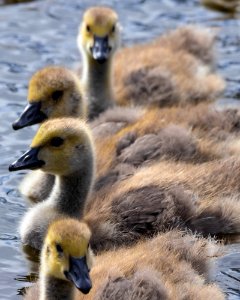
x: 36, y: 34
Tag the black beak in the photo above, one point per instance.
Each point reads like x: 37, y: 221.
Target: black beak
x: 100, y: 49
x: 31, y: 115
x: 28, y: 160
x: 79, y: 274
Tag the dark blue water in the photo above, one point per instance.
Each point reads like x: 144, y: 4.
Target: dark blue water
x: 36, y: 34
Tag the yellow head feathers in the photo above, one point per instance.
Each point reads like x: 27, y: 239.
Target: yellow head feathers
x: 65, y: 146
x: 65, y: 128
x: 66, y: 253
x: 60, y: 147
x: 53, y: 92
x: 48, y: 80
x: 70, y: 235
x: 59, y: 92
x: 99, y: 35
x: 99, y: 21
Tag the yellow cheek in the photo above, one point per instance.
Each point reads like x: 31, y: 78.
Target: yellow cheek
x: 112, y: 42
x: 47, y: 107
x: 59, y: 110
x: 86, y: 37
x: 58, y: 266
x: 56, y: 162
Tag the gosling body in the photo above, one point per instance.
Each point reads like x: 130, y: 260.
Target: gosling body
x: 119, y: 133
x: 138, y: 206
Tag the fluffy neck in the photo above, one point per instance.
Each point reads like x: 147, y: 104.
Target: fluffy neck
x: 52, y: 288
x: 97, y: 81
x: 70, y: 192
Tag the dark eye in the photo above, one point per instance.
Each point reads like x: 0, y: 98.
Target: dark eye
x: 88, y: 28
x: 113, y: 28
x: 56, y: 142
x: 57, y: 95
x: 59, y: 248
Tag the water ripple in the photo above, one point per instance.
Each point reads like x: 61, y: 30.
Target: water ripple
x: 44, y: 32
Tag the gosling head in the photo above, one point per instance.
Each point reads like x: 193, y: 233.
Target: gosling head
x: 53, y: 92
x: 99, y: 35
x: 66, y: 254
x: 60, y: 147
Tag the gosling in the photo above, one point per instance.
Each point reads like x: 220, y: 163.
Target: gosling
x: 171, y: 265
x: 159, y: 73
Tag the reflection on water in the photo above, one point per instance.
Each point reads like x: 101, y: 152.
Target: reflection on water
x: 7, y: 2
x: 226, y: 6
x: 32, y: 277
x: 36, y: 34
